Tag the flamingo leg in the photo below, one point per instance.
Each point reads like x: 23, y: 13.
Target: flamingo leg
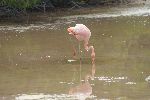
x: 74, y: 52
x: 88, y: 48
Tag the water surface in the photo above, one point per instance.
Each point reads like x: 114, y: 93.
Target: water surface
x: 36, y: 58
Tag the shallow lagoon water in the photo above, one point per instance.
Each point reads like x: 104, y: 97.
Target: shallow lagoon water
x: 36, y: 58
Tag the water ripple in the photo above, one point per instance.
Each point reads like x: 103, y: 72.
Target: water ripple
x: 42, y: 96
x: 136, y: 11
x: 111, y: 79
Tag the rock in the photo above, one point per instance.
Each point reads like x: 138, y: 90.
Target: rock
x: 147, y: 79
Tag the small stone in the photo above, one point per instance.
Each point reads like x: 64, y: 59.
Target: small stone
x: 147, y: 79
x: 49, y: 56
x: 71, y: 60
x: 124, y: 41
x: 20, y: 54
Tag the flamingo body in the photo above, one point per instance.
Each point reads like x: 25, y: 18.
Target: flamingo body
x: 82, y: 33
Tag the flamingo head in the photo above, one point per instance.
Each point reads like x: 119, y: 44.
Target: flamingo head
x: 71, y: 30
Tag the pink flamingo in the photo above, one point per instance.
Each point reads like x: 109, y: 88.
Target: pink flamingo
x: 82, y: 33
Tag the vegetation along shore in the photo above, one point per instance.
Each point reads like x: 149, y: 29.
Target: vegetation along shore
x: 22, y: 7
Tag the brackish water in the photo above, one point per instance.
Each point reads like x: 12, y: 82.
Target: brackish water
x: 36, y: 60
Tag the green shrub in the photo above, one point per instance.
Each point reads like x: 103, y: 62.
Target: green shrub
x: 21, y: 4
x: 24, y: 4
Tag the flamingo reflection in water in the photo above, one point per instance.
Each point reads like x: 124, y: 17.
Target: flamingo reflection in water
x: 84, y: 89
